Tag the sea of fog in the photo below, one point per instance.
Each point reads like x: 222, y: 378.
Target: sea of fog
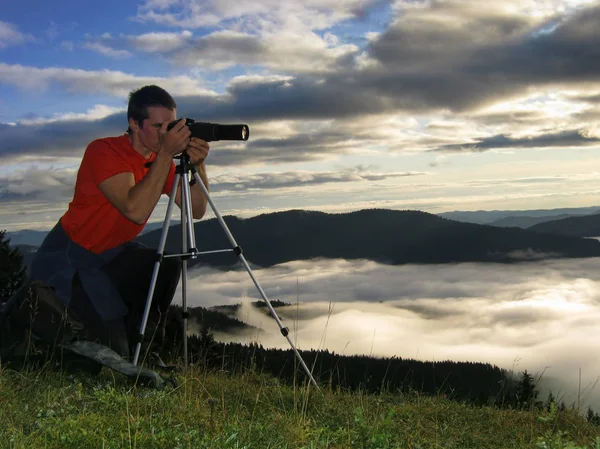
x: 541, y: 316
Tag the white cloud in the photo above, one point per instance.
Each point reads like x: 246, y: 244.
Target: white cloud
x: 106, y: 50
x: 160, y: 42
x: 98, y: 112
x: 67, y: 45
x: 10, y: 35
x: 233, y: 182
x: 106, y: 81
x: 277, y: 35
x: 260, y: 14
x: 37, y: 184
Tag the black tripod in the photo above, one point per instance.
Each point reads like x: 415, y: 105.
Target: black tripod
x: 189, y: 250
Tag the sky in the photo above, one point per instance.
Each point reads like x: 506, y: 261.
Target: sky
x: 403, y: 104
x: 536, y: 316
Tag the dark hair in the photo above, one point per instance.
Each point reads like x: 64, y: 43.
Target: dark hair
x: 140, y: 100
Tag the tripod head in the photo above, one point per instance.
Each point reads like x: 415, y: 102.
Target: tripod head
x: 211, y: 132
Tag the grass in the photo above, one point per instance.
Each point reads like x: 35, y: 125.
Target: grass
x: 217, y: 410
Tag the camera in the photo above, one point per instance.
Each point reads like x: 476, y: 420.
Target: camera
x: 211, y: 132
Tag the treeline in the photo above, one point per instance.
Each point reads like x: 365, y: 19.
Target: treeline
x: 476, y: 383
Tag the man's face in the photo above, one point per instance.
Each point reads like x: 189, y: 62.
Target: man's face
x: 149, y: 132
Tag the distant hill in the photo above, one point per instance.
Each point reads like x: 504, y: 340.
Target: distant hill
x: 490, y: 216
x: 586, y: 226
x: 26, y: 237
x: 30, y: 237
x: 386, y: 236
x: 526, y: 221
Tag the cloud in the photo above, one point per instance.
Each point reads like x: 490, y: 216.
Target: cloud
x: 258, y: 15
x: 35, y: 184
x: 459, y: 56
x: 530, y: 315
x: 268, y: 181
x: 160, y: 42
x: 93, y: 82
x: 285, y: 50
x: 105, y: 50
x: 10, y: 35
x: 56, y: 137
x: 281, y: 36
x: 67, y: 45
x: 53, y: 181
x: 563, y: 139
x: 526, y: 74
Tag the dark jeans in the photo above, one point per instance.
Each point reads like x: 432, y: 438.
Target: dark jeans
x: 131, y: 271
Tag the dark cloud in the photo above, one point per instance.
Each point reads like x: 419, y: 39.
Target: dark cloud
x: 514, y: 118
x: 68, y: 138
x: 59, y: 138
x: 223, y: 48
x: 299, y: 179
x: 461, y: 68
x: 561, y: 139
x: 523, y: 317
x: 300, y: 98
x: 34, y: 185
x: 594, y: 99
x: 57, y: 185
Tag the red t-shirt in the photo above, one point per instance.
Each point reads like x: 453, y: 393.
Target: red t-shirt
x: 91, y: 220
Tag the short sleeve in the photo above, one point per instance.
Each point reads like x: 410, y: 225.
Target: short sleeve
x: 102, y: 161
x: 168, y: 187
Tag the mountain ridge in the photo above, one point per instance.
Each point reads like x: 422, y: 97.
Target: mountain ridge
x: 583, y: 226
x: 383, y: 235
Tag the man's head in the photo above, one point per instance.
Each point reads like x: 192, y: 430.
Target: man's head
x: 149, y: 107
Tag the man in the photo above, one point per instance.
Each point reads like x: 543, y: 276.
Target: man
x: 89, y: 257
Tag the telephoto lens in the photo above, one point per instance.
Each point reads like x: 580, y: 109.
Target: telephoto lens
x: 211, y: 132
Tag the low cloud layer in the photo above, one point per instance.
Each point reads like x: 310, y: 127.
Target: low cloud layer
x: 539, y: 316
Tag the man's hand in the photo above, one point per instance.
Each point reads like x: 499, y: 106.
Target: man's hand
x: 197, y: 150
x: 176, y: 139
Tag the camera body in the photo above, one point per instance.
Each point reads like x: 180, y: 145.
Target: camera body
x: 211, y: 132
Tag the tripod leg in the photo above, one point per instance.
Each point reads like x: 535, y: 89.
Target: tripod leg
x: 284, y: 330
x: 188, y: 242
x: 159, y: 257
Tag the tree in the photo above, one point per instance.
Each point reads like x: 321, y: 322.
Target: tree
x: 592, y: 418
x: 13, y: 271
x: 551, y: 401
x: 527, y: 393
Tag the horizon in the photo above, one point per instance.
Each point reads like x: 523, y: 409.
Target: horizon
x: 351, y: 105
x: 175, y: 220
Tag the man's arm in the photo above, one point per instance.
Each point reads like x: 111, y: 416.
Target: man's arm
x: 137, y: 201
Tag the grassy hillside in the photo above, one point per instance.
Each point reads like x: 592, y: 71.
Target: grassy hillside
x: 249, y: 410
